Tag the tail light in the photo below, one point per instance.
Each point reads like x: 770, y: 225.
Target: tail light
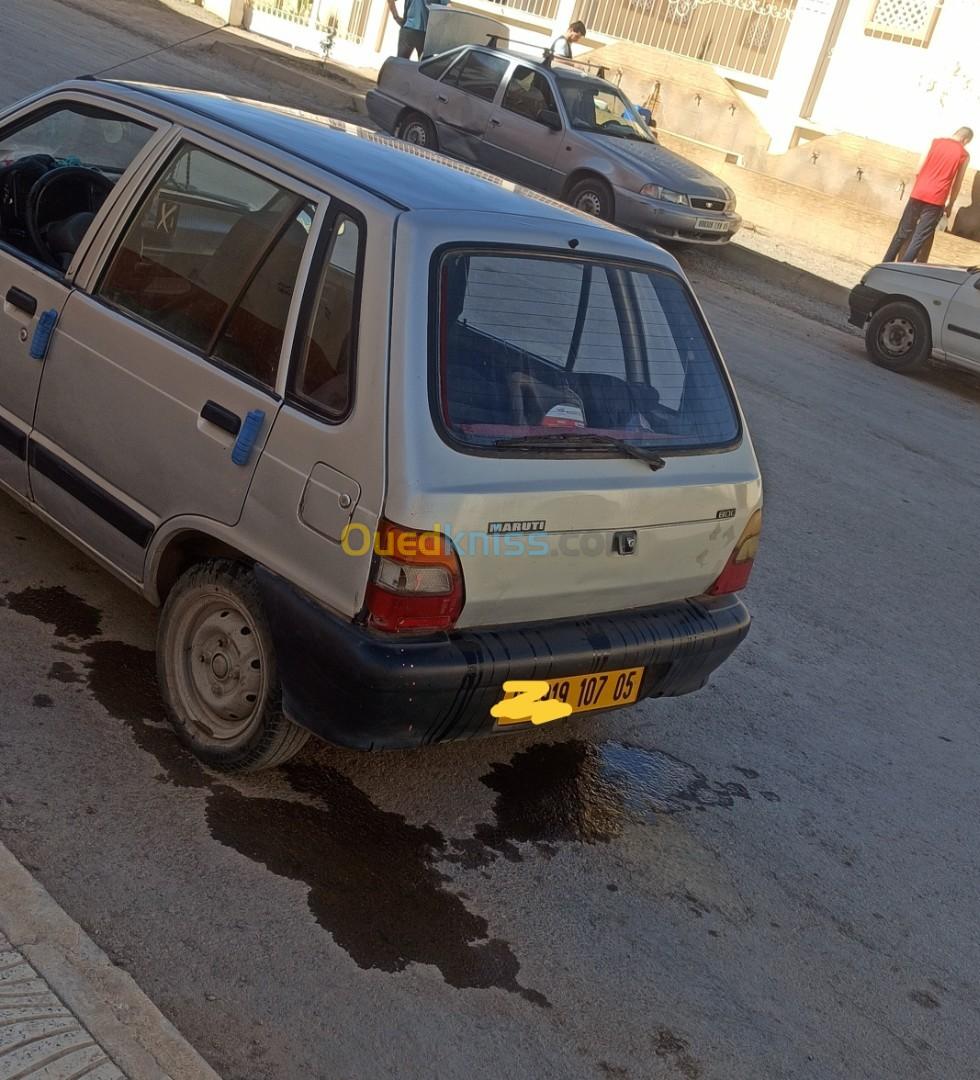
x: 735, y: 576
x: 416, y: 581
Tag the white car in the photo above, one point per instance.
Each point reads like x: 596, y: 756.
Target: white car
x: 912, y: 311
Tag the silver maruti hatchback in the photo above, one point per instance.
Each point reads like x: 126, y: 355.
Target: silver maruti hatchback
x: 404, y: 455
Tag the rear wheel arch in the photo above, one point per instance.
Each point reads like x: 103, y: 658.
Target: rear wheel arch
x: 180, y: 552
x: 409, y: 114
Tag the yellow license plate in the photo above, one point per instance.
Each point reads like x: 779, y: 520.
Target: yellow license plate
x: 582, y: 693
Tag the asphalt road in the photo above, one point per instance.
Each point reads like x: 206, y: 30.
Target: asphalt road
x: 774, y: 878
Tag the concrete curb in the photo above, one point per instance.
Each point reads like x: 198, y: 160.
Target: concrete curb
x: 104, y: 998
x: 784, y: 275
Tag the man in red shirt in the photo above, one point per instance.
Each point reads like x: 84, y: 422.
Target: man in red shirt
x: 937, y: 184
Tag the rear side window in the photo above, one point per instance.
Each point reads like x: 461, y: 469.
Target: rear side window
x: 438, y: 65
x: 211, y: 259
x: 480, y: 74
x: 534, y: 346
x: 323, y: 379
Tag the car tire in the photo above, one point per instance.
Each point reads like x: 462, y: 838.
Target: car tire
x: 217, y: 670
x: 592, y: 196
x: 418, y: 130
x: 899, y: 337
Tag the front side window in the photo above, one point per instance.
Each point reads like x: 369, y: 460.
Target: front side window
x: 528, y: 94
x: 211, y: 259
x: 56, y: 169
x: 480, y: 74
x: 323, y: 378
x: 597, y: 106
x: 544, y: 348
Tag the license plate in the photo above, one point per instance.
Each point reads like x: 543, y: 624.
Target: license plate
x: 711, y: 225
x: 584, y: 693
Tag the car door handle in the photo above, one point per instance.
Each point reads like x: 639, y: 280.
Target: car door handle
x: 494, y: 122
x: 23, y: 301
x: 221, y: 417
x: 442, y: 98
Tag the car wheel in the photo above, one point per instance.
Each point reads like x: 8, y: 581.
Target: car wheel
x: 416, y: 128
x: 592, y: 196
x: 899, y: 337
x: 217, y: 671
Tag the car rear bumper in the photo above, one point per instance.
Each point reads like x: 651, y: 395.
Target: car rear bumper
x: 382, y: 109
x: 863, y: 301
x: 356, y: 688
x: 665, y: 221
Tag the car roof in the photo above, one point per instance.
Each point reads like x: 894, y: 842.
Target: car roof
x: 530, y: 61
x: 406, y: 176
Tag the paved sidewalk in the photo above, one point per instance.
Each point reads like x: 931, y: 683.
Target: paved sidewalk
x: 66, y: 1012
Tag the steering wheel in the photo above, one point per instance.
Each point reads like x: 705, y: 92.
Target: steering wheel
x: 57, y: 241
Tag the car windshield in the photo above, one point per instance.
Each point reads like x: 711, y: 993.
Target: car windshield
x: 597, y: 106
x: 561, y: 354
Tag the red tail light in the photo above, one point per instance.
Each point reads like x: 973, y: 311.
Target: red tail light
x: 416, y: 581
x: 735, y: 576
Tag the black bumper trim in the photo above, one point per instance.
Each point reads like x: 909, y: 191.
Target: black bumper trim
x: 863, y: 301
x: 356, y: 688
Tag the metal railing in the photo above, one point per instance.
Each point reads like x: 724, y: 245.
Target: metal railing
x: 740, y: 35
x: 334, y: 19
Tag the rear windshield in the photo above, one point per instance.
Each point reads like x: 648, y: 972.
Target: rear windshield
x: 537, y: 347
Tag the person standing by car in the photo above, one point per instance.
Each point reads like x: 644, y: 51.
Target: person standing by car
x: 937, y: 185
x: 562, y: 45
x: 413, y: 24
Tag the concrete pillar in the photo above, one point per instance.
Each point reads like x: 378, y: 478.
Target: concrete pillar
x: 231, y: 11
x: 799, y: 60
x: 563, y: 16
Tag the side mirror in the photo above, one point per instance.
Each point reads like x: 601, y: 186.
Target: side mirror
x: 647, y: 118
x: 550, y: 119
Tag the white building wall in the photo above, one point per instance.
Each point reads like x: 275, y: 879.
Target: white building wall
x: 900, y: 93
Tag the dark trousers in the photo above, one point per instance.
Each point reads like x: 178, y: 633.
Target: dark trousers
x: 918, y: 225
x: 410, y: 41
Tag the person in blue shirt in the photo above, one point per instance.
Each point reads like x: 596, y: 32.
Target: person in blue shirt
x: 411, y: 36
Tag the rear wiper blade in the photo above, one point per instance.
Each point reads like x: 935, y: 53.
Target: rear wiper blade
x: 571, y: 439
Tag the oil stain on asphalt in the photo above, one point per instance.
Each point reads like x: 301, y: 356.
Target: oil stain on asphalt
x: 67, y: 615
x: 373, y: 877
x: 585, y: 792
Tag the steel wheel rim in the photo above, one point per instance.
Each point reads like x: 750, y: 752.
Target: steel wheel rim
x: 416, y: 133
x: 896, y: 337
x: 221, y: 667
x: 590, y: 202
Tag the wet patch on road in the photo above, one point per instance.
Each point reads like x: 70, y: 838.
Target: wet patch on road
x: 372, y: 878
x: 65, y: 673
x: 67, y: 614
x: 583, y: 792
x: 678, y: 1052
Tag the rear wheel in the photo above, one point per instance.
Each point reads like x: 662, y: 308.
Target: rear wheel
x: 217, y: 670
x: 416, y: 128
x: 592, y: 196
x: 899, y: 337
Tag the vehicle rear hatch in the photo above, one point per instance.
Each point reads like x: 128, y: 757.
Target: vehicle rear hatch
x: 573, y: 431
